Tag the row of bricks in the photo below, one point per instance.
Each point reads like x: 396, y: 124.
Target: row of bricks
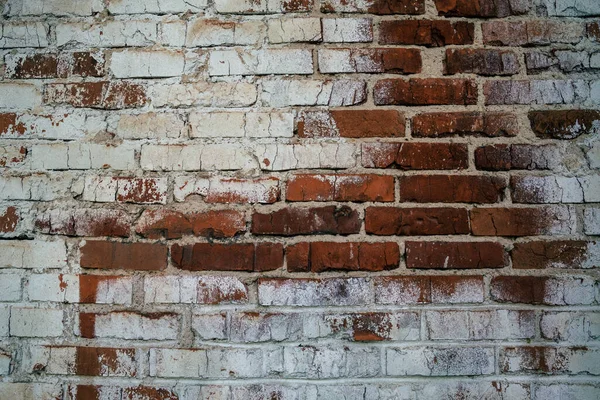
x: 471, y: 389
x: 287, y: 92
x: 391, y: 290
x: 168, y: 63
x: 312, y: 361
x: 202, y: 32
x: 346, y: 123
x: 463, y: 8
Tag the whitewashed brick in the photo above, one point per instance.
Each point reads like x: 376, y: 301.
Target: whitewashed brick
x: 55, y: 126
x: 10, y: 287
x: 35, y: 187
x: 331, y: 362
x: 450, y: 361
x: 204, y: 94
x: 571, y: 326
x: 240, y: 363
x: 347, y: 30
x: 170, y: 289
x: 565, y: 391
x: 23, y: 34
x: 292, y: 292
x: 150, y: 126
x: 53, y: 7
x: 177, y: 363
x: 82, y: 156
x: 53, y: 288
x: 290, y: 30
x: 208, y: 32
x: 565, y: 291
x: 33, y: 254
x: 334, y: 93
x: 132, y: 326
x: 280, y: 157
x: 571, y: 8
x: 260, y: 62
x: 195, y: 157
x: 4, y: 320
x: 253, y: 6
x: 17, y: 96
x: 557, y: 189
x: 36, y: 322
x: 147, y: 64
x: 5, y: 359
x: 591, y: 220
x: 107, y: 34
x: 155, y: 6
x: 172, y: 33
x: 210, y: 326
x: 238, y: 124
x: 109, y: 189
x: 260, y: 190
x: 30, y: 391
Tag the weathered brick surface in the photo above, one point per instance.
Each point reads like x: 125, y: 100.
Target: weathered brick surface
x: 299, y: 199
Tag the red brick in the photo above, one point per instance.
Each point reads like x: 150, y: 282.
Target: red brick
x: 340, y: 188
x: 352, y: 123
x: 452, y: 188
x: 116, y: 255
x: 64, y: 65
x: 429, y: 91
x: 172, y: 224
x: 481, y: 8
x: 504, y: 157
x: 9, y: 220
x: 141, y: 190
x: 228, y: 257
x: 418, y: 156
x: 9, y: 125
x: 519, y: 289
x: 519, y: 221
x: 485, y: 62
x: 306, y: 221
x: 329, y: 256
x: 83, y: 64
x: 455, y: 255
x: 563, y: 124
x: 103, y: 95
x: 379, y: 7
x: 416, y: 221
x: 489, y: 124
x: 84, y: 222
x: 550, y: 254
x: 426, y: 33
x: 95, y: 361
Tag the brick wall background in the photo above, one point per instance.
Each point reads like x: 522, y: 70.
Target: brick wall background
x: 298, y: 199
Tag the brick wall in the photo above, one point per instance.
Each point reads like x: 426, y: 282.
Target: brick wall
x: 298, y: 199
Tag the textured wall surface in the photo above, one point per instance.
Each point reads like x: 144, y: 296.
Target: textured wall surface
x: 299, y: 199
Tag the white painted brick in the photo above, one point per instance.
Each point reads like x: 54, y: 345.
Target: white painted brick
x: 295, y: 30
x: 54, y: 288
x: 447, y: 325
x: 130, y: 326
x: 172, y: 33
x: 150, y: 126
x: 591, y: 220
x: 450, y: 361
x: 238, y: 124
x: 147, y: 64
x: 36, y: 322
x: 208, y: 32
x: 55, y: 126
x: 23, y: 34
x: 33, y: 254
x: 108, y: 34
x: 4, y: 320
x: 176, y: 363
x: 239, y: 363
x: 155, y: 6
x: 566, y: 391
x: 30, y: 391
x: 195, y: 157
x: 571, y: 8
x: 5, y: 359
x: 54, y: 360
x: 53, y: 7
x: 260, y: 62
x: 331, y: 362
x: 565, y: 291
x: 264, y: 327
x: 204, y: 94
x: 260, y: 190
x: 557, y: 189
x: 210, y: 326
x: 10, y: 287
x: 279, y: 157
x: 272, y: 292
x: 35, y: 187
x: 251, y: 6
x: 17, y: 96
x: 334, y: 93
x: 114, y: 290
x: 109, y: 189
x: 571, y: 326
x: 263, y: 124
x: 347, y: 30
x: 170, y: 289
x: 82, y: 156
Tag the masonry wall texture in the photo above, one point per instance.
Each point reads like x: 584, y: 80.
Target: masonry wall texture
x: 299, y: 199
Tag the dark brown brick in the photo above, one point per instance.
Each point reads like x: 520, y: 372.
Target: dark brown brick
x: 416, y: 156
x: 485, y: 62
x: 426, y: 33
x: 455, y: 255
x: 422, y: 92
x: 504, y: 157
x: 416, y: 221
x: 563, y: 124
x: 307, y: 221
x: 352, y: 123
x: 116, y: 255
x: 489, y: 124
x: 452, y: 188
x: 541, y: 254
